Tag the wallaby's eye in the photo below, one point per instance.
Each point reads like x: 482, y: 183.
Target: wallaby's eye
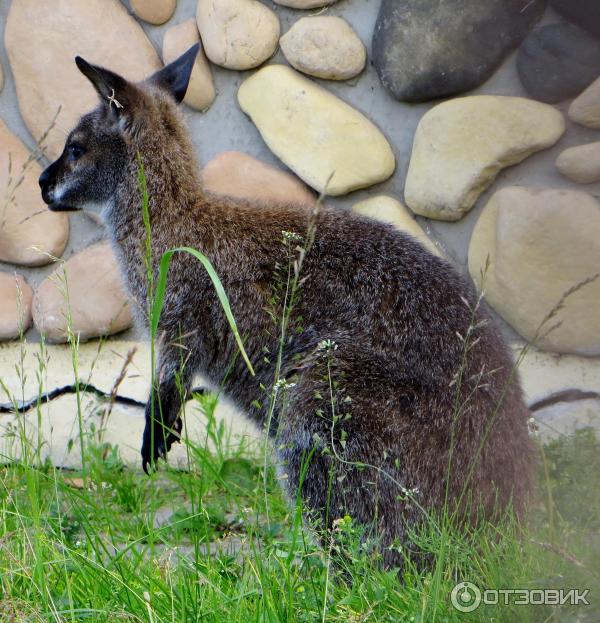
x: 74, y: 151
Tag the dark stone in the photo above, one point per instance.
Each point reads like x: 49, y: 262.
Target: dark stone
x: 427, y: 49
x: 584, y: 13
x: 557, y: 62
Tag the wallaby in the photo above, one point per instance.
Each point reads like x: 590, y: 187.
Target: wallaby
x: 424, y: 421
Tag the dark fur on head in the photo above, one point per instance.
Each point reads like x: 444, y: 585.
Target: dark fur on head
x: 395, y: 312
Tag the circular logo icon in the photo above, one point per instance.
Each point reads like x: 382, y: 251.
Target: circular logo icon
x: 465, y: 597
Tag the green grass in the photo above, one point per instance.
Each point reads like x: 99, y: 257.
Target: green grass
x: 196, y: 546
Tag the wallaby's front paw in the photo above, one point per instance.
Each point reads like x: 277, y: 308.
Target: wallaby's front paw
x: 155, y: 445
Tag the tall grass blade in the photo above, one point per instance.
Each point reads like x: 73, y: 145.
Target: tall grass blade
x: 161, y: 286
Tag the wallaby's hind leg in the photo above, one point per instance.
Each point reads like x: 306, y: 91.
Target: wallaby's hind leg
x: 342, y: 464
x: 163, y: 421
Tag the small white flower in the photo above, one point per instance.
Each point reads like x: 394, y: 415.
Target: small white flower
x: 290, y: 236
x: 327, y: 345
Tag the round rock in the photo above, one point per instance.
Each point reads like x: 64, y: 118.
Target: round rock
x: 200, y: 93
x: 154, y: 11
x: 30, y: 234
x: 462, y: 144
x: 427, y: 49
x: 305, y: 4
x: 42, y: 40
x: 15, y: 306
x: 557, y: 62
x: 325, y: 47
x: 581, y: 164
x: 241, y: 176
x: 585, y: 110
x: 543, y: 246
x: 389, y: 210
x: 96, y: 300
x: 237, y: 34
x: 584, y: 13
x: 317, y: 135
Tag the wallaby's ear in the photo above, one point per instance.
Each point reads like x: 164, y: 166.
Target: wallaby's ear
x: 109, y: 85
x: 175, y: 76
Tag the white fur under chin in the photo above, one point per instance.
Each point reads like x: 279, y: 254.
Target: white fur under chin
x: 97, y: 210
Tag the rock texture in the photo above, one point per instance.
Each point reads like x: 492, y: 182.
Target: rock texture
x: 87, y: 288
x: 462, y: 144
x: 390, y: 210
x: 581, y: 164
x: 237, y: 34
x: 154, y: 11
x: 201, y: 90
x: 305, y: 4
x: 314, y: 133
x: 584, y: 13
x: 15, y: 306
x: 29, y: 233
x: 241, y: 176
x: 42, y: 39
x: 585, y: 110
x: 325, y: 47
x: 1, y: 77
x: 557, y: 62
x: 427, y: 49
x: 541, y: 245
x: 564, y: 418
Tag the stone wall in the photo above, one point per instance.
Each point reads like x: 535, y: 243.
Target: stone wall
x: 482, y: 119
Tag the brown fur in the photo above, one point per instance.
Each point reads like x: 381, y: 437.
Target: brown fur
x: 395, y: 312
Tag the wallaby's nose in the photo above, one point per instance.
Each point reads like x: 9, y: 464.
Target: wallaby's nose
x: 45, y: 178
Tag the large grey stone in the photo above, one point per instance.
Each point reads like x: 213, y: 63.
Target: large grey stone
x: 557, y: 62
x: 584, y: 13
x: 427, y: 49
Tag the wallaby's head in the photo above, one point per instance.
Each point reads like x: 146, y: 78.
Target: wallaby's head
x: 130, y: 116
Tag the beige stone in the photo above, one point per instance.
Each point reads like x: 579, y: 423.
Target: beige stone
x: 544, y: 375
x: 154, y: 11
x: 58, y: 428
x: 314, y: 133
x: 462, y: 144
x: 565, y: 418
x: 581, y: 164
x: 239, y: 175
x: 325, y: 47
x: 88, y: 289
x: 99, y: 363
x: 42, y: 40
x: 237, y: 34
x: 305, y: 4
x: 29, y: 233
x: 15, y: 306
x: 541, y: 244
x: 177, y: 40
x: 585, y: 109
x: 390, y: 210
